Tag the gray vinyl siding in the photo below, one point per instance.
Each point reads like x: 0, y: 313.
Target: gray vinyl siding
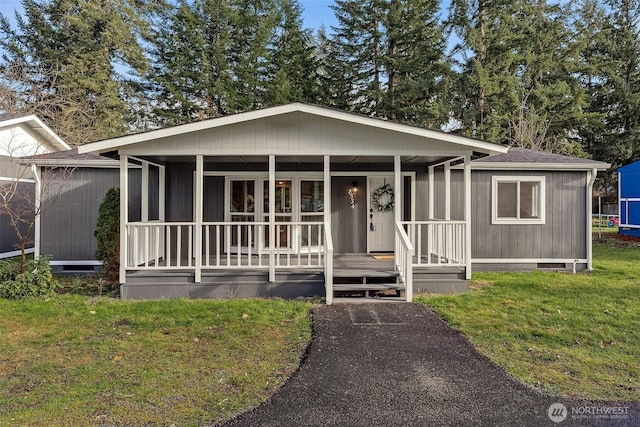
x: 563, y: 235
x: 295, y: 132
x: 67, y: 227
x: 154, y: 199
x: 422, y: 195
x: 179, y: 191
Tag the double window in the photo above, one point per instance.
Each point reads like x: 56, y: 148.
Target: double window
x: 296, y: 200
x: 518, y: 199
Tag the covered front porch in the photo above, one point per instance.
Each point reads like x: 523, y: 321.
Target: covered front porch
x: 278, y: 196
x: 242, y: 226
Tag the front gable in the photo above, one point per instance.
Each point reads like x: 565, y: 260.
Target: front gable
x: 294, y: 129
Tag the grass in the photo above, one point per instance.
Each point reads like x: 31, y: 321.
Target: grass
x: 576, y: 335
x: 75, y: 360
x: 604, y: 230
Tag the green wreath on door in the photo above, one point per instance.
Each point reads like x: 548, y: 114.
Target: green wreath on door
x: 378, y: 199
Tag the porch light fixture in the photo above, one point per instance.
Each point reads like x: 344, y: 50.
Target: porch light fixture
x: 353, y: 190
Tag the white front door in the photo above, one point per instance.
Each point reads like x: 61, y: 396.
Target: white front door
x: 381, y: 213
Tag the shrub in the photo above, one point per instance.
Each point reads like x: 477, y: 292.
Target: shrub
x: 36, y: 281
x: 108, y: 234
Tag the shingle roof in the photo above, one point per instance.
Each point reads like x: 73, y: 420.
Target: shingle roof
x: 67, y: 157
x: 526, y: 155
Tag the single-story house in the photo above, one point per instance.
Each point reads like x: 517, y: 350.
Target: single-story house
x: 629, y: 199
x: 21, y: 135
x: 299, y: 200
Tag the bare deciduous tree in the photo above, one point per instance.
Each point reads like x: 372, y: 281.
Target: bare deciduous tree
x: 27, y: 191
x: 25, y: 89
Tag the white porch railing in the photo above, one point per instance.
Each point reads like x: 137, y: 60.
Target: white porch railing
x: 437, y: 242
x: 173, y: 245
x: 404, y: 251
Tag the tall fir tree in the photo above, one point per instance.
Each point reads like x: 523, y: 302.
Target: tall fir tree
x: 393, y: 59
x: 190, y: 78
x: 252, y: 32
x: 293, y: 64
x: 334, y: 80
x: 517, y: 83
x: 618, y: 98
x: 79, y: 48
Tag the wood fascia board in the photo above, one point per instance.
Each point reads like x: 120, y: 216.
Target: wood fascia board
x: 463, y: 142
x: 287, y: 152
x: 535, y: 166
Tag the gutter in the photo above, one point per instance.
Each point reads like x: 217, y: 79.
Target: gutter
x: 35, y: 171
x: 591, y: 179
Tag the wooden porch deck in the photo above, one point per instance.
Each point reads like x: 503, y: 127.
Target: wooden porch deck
x: 355, y: 276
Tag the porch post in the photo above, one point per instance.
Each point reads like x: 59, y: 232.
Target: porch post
x: 327, y: 190
x: 272, y: 217
x: 161, y: 195
x: 467, y: 213
x: 447, y: 190
x: 124, y: 215
x: 328, y: 256
x: 397, y: 171
x: 144, y: 192
x: 431, y: 192
x: 198, y: 225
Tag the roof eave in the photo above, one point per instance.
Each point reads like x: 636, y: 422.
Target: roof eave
x: 77, y: 163
x: 600, y: 166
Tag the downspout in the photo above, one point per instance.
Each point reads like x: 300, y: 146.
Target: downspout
x: 591, y: 179
x: 35, y: 171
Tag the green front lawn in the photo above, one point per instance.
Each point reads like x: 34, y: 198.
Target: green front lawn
x: 77, y: 361
x: 578, y: 335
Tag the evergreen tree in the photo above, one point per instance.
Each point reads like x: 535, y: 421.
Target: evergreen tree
x: 293, y: 66
x: 418, y: 73
x: 393, y: 56
x: 333, y: 76
x: 76, y: 46
x: 614, y: 83
x: 357, y: 43
x: 517, y: 84
x: 190, y: 78
x: 253, y: 30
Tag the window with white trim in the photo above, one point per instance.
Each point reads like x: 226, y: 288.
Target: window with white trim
x: 518, y: 199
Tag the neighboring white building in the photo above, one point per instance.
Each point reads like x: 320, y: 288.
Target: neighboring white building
x: 21, y: 136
